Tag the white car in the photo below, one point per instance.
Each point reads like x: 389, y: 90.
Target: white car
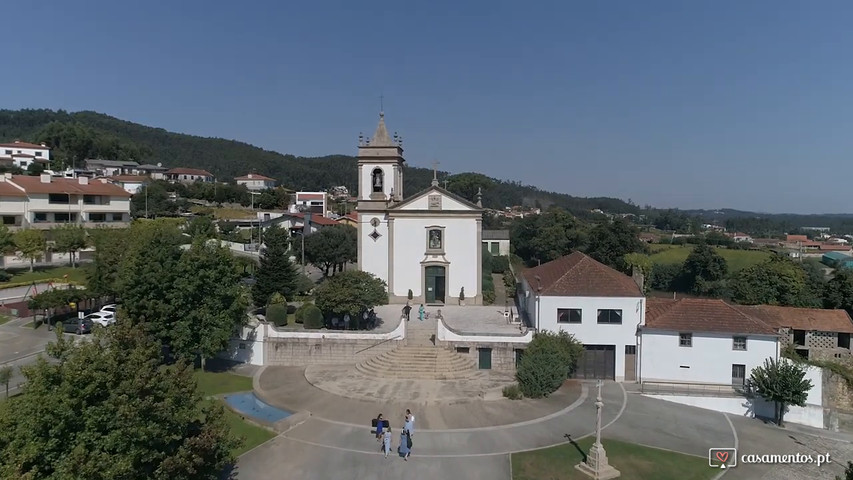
x: 111, y: 308
x: 102, y: 318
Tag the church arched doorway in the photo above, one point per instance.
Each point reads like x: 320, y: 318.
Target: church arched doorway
x: 435, y: 284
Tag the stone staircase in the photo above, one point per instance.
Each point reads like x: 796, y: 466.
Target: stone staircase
x: 420, y: 359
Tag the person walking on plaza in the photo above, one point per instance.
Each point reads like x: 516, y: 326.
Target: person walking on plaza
x: 421, y: 312
x: 410, y: 423
x: 387, y: 442
x: 405, y: 445
x: 407, y: 310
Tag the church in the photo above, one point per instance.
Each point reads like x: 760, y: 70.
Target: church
x: 429, y: 243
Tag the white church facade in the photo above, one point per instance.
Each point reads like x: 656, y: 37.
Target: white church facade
x: 429, y: 243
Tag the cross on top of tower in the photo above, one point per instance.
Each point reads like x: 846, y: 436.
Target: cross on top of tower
x: 435, y: 165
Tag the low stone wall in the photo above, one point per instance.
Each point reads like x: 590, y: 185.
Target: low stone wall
x: 324, y: 351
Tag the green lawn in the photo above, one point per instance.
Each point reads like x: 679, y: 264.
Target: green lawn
x: 4, y: 319
x: 48, y: 273
x: 736, y: 259
x: 636, y: 462
x: 215, y: 383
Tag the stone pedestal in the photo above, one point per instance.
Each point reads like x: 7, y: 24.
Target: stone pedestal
x: 596, y: 465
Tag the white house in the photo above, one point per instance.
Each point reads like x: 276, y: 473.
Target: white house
x: 314, y: 202
x: 23, y: 154
x: 702, y: 341
x: 111, y: 168
x: 255, y: 182
x: 496, y: 242
x: 600, y: 306
x: 130, y: 183
x: 188, y: 175
x: 46, y: 202
x: 429, y: 243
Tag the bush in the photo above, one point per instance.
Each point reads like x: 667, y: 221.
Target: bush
x: 512, y: 392
x: 299, y: 314
x: 547, y: 362
x: 312, y: 317
x: 488, y: 289
x: 304, y: 284
x: 500, y: 264
x: 277, y: 314
x: 665, y: 277
x: 5, y: 276
x: 509, y: 282
x: 410, y: 295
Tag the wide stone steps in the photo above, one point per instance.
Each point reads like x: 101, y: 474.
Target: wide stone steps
x: 422, y: 362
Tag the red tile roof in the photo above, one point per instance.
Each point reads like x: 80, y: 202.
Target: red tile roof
x: 578, y: 275
x: 702, y: 315
x: 810, y: 319
x: 34, y: 185
x: 189, y: 171
x: 128, y: 178
x: 310, y: 196
x: 318, y: 219
x: 24, y: 145
x: 834, y: 247
x: 9, y: 190
x: 254, y: 176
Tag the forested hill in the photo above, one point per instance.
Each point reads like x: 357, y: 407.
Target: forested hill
x: 80, y: 135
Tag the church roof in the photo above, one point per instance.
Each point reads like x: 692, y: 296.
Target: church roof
x: 381, y: 137
x: 436, y: 188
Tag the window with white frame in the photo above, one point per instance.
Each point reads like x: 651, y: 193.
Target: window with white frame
x: 685, y: 339
x: 738, y: 343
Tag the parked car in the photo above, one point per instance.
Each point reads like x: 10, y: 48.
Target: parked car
x: 77, y: 325
x: 111, y: 308
x: 101, y: 318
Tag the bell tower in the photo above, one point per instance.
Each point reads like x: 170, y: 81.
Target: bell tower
x: 380, y: 168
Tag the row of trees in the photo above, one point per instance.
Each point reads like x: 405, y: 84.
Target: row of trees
x: 554, y: 233
x: 32, y: 244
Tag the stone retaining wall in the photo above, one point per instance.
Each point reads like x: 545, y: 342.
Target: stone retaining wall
x: 300, y: 352
x: 503, y: 354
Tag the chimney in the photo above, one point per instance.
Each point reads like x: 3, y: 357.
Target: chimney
x: 250, y: 175
x: 43, y: 144
x: 83, y: 180
x: 45, y: 178
x: 639, y: 278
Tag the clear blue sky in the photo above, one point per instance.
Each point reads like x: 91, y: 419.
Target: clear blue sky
x: 742, y: 104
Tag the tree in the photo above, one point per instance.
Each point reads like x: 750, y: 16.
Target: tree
x: 665, y: 277
x: 70, y: 239
x: 547, y: 362
x: 609, y: 242
x: 6, y: 377
x: 111, y: 409
x: 839, y: 291
x: 210, y: 301
x: 782, y: 382
x: 276, y: 273
x: 31, y: 244
x: 7, y: 240
x: 703, y: 267
x: 546, y: 237
x: 352, y: 292
x: 35, y: 169
x: 331, y: 247
x: 776, y: 281
x: 110, y: 248
x: 848, y: 472
x: 201, y: 227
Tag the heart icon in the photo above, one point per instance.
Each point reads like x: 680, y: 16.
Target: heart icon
x: 722, y: 456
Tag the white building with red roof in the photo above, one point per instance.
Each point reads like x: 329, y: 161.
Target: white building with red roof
x: 256, y: 182
x: 188, y: 175
x: 23, y: 154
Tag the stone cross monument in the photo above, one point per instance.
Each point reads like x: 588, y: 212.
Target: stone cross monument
x: 596, y: 465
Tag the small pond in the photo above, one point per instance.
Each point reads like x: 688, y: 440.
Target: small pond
x: 251, y: 406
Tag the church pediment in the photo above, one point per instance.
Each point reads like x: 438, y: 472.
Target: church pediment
x: 436, y: 199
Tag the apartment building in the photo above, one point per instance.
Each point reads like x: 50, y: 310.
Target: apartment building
x: 46, y: 202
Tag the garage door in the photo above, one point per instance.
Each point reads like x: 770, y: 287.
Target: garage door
x: 597, y: 362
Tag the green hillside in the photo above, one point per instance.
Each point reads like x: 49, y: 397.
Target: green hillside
x: 80, y: 135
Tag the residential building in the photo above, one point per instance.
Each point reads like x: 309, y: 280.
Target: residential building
x: 130, y: 183
x: 255, y: 182
x: 109, y: 168
x: 740, y: 237
x: 350, y: 219
x: 45, y: 202
x: 600, y: 306
x: 156, y: 172
x: 188, y: 175
x: 23, y: 154
x: 294, y: 221
x: 314, y: 202
x: 702, y: 341
x: 813, y: 332
x: 496, y: 242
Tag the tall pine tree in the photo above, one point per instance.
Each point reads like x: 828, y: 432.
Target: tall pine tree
x: 276, y: 273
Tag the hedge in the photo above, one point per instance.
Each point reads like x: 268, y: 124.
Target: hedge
x: 312, y: 317
x: 500, y: 264
x: 277, y: 314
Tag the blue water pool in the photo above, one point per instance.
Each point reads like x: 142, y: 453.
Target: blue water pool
x: 251, y: 406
